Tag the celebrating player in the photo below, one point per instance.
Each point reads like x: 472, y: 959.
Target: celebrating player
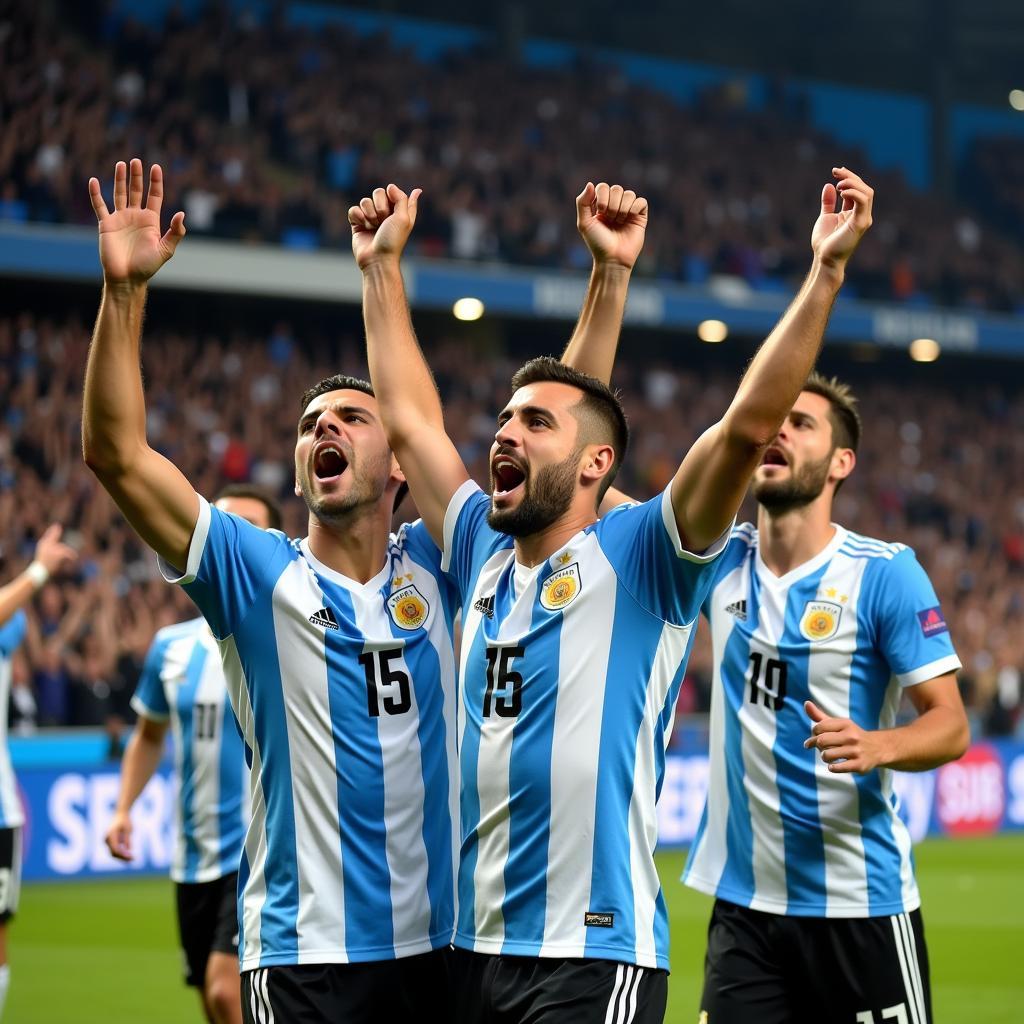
x: 182, y: 685
x: 576, y: 632
x: 50, y: 557
x: 338, y: 659
x: 800, y: 842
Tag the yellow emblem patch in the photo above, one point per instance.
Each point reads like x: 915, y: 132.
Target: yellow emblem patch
x: 820, y: 620
x: 560, y: 588
x: 408, y: 607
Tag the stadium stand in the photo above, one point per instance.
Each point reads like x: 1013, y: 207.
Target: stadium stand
x: 269, y: 130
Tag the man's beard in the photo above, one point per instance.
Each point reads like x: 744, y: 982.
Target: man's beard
x: 802, y: 487
x: 546, y: 496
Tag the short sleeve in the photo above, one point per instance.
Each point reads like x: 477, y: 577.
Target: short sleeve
x: 642, y: 543
x: 468, y: 540
x: 229, y: 563
x: 911, y: 629
x: 150, y: 698
x: 12, y: 632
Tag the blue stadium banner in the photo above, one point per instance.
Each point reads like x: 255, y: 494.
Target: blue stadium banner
x: 68, y: 808
x: 68, y: 812
x: 980, y: 794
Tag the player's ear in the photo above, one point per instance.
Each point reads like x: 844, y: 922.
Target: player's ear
x: 843, y: 462
x: 396, y: 470
x: 598, y: 459
x: 298, y: 488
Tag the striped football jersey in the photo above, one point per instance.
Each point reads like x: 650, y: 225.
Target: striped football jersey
x: 345, y: 696
x: 182, y: 683
x: 848, y: 629
x: 12, y: 632
x: 569, y: 676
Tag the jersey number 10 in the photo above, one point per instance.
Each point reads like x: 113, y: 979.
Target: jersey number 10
x: 771, y: 689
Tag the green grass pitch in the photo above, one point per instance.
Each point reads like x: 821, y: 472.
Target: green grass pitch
x: 106, y: 952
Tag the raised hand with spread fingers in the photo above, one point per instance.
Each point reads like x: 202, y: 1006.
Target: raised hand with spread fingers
x: 132, y: 248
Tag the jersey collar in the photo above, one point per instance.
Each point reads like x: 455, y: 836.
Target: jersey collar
x: 370, y: 586
x: 766, y: 576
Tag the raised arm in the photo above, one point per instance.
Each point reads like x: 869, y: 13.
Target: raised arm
x: 152, y: 493
x: 406, y: 394
x: 710, y: 484
x: 613, y: 222
x: 50, y: 557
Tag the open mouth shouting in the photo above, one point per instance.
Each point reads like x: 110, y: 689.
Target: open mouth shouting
x: 329, y: 462
x: 774, y: 456
x: 507, y: 476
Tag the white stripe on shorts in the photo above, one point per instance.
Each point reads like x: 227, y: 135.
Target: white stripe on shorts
x: 906, y: 949
x: 622, y: 1004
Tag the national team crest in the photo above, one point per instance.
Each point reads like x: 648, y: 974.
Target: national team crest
x: 820, y: 620
x: 561, y: 588
x: 408, y: 608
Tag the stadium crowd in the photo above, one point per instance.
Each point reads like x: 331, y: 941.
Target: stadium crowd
x: 941, y: 468
x: 268, y: 132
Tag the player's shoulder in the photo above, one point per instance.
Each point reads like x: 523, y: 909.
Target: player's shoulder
x: 413, y: 540
x: 744, y: 535
x: 178, y: 631
x: 859, y: 546
x: 13, y: 631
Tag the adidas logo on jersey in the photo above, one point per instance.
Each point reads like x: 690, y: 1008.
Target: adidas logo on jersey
x: 739, y: 609
x: 485, y: 605
x: 324, y: 617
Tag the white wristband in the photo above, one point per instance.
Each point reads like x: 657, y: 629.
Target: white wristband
x: 37, y: 573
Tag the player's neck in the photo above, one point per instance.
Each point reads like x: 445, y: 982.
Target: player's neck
x: 540, y: 546
x: 355, y: 548
x: 789, y: 539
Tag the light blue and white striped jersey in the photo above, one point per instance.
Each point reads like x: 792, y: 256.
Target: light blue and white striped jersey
x: 182, y: 682
x: 12, y: 632
x: 848, y: 629
x: 345, y: 695
x: 569, y: 677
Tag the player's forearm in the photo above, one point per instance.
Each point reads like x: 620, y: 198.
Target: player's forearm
x: 142, y: 756
x: 595, y: 340
x: 114, y: 411
x: 401, y: 379
x: 781, y: 366
x: 938, y: 735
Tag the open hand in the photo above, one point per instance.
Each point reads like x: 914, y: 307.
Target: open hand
x: 381, y: 224
x: 612, y: 221
x: 132, y: 249
x: 845, y: 216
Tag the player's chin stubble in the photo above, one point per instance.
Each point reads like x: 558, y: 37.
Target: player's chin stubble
x: 802, y: 487
x: 547, y: 496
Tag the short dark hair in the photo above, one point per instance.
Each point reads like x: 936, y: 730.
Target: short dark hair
x: 257, y: 494
x: 599, y: 404
x: 843, y: 414
x: 337, y: 382
x: 343, y: 382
